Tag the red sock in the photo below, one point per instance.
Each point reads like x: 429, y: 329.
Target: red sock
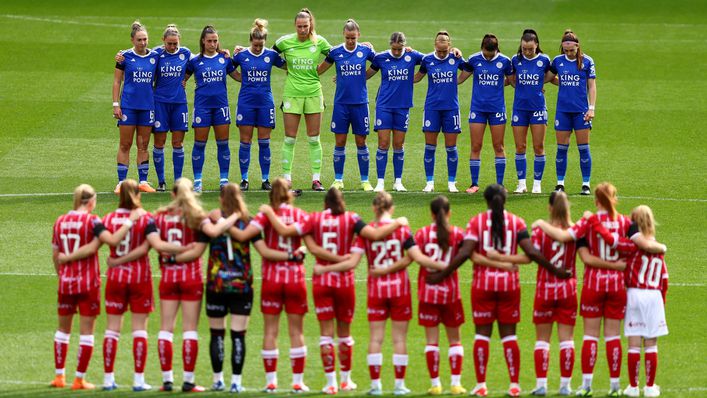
x: 512, y: 354
x: 375, y: 361
x: 345, y: 353
x: 566, y: 358
x: 456, y: 359
x: 110, y: 347
x: 589, y: 354
x: 400, y: 363
x: 164, y: 349
x: 85, y: 352
x: 613, y: 356
x: 651, y: 358
x: 61, y: 346
x: 432, y: 356
x: 270, y: 360
x: 190, y: 350
x: 481, y: 357
x: 326, y: 350
x: 140, y: 350
x: 542, y: 359
x: 298, y: 357
x: 634, y: 364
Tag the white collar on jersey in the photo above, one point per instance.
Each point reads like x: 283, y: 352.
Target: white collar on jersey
x: 141, y: 56
x: 570, y: 60
x: 391, y: 54
x: 211, y: 57
x: 343, y: 45
x: 122, y: 210
x: 492, y: 59
x: 256, y: 55
x: 78, y: 212
x: 434, y: 54
x: 531, y: 59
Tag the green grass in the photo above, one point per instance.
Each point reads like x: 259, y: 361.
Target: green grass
x: 55, y: 81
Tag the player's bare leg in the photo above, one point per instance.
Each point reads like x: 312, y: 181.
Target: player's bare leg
x: 345, y: 343
x: 400, y: 355
x: 298, y: 351
x: 590, y: 346
x: 168, y: 317
x: 476, y: 133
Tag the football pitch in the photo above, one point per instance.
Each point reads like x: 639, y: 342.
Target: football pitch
x: 57, y: 131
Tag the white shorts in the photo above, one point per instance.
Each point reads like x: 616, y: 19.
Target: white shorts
x: 645, y: 314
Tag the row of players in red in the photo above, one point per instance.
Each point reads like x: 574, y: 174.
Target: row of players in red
x: 623, y: 263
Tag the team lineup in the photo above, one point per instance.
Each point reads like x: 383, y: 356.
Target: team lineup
x: 625, y: 277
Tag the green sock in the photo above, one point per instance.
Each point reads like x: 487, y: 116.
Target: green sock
x: 288, y: 153
x: 315, y: 155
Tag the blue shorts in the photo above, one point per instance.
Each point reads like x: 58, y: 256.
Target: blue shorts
x: 492, y: 118
x: 449, y: 121
x: 171, y: 117
x: 568, y: 121
x: 354, y: 115
x: 256, y: 117
x: 392, y: 119
x: 137, y: 117
x: 207, y: 117
x: 526, y: 118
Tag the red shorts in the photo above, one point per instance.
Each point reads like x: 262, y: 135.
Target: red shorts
x: 292, y: 296
x: 182, y: 291
x: 489, y: 306
x: 562, y: 311
x: 450, y: 315
x: 334, y: 303
x: 89, y: 303
x: 138, y: 295
x: 397, y: 308
x: 610, y: 305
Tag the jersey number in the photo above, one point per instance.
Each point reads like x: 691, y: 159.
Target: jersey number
x: 329, y: 242
x: 174, y: 236
x: 284, y: 243
x: 70, y: 247
x: 435, y: 253
x: 123, y: 247
x: 391, y: 247
x: 488, y: 244
x: 606, y: 252
x: 651, y: 267
x: 559, y: 247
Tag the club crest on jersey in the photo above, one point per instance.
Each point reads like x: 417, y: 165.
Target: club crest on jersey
x: 266, y: 59
x: 359, y: 54
x: 312, y: 49
x: 152, y: 61
x: 499, y: 65
x: 408, y: 58
x: 452, y: 61
x: 221, y: 61
x: 181, y: 57
x: 539, y: 64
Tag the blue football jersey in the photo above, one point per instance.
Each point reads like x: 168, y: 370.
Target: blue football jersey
x: 210, y: 74
x: 530, y: 77
x: 441, y: 81
x: 350, y: 73
x: 396, y: 86
x: 171, y: 68
x: 572, y: 94
x: 138, y: 78
x: 489, y: 75
x: 256, y: 91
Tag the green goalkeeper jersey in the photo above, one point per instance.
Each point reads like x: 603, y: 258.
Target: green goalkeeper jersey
x: 302, y: 59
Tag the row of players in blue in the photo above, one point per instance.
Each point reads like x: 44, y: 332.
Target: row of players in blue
x: 153, y: 95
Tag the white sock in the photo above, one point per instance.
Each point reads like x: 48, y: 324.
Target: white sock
x: 376, y: 384
x: 297, y: 378
x: 189, y: 377
x: 236, y: 379
x: 345, y: 375
x: 435, y: 382
x: 138, y: 379
x: 330, y: 378
x: 108, y: 379
x: 565, y: 381
x: 218, y: 377
x: 587, y: 380
x: 271, y: 378
x: 168, y: 376
x: 398, y: 180
x: 541, y: 382
x: 315, y: 176
x: 560, y: 182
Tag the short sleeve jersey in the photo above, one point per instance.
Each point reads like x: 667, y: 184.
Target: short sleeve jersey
x: 530, y: 77
x: 302, y: 58
x: 572, y: 93
x: 136, y: 271
x: 138, y: 79
x: 489, y: 75
x: 256, y: 71
x: 71, y: 231
x: 230, y: 269
x: 397, y: 73
x: 561, y: 255
x: 441, y: 81
x: 350, y: 73
x: 210, y: 74
x: 645, y: 270
x: 447, y: 291
x: 174, y: 229
x: 171, y: 69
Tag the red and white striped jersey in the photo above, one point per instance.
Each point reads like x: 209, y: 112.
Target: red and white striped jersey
x: 479, y: 229
x: 71, y: 231
x: 137, y: 271
x: 646, y: 270
x: 602, y: 279
x: 282, y: 271
x: 173, y: 229
x: 561, y: 255
x: 446, y: 291
x: 383, y: 254
x: 334, y: 233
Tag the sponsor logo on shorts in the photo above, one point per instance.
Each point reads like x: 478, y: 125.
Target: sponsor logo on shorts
x: 270, y: 304
x: 590, y: 308
x: 542, y: 314
x: 428, y: 317
x: 323, y: 310
x: 114, y: 304
x: 635, y: 324
x: 64, y: 306
x: 374, y: 311
x: 483, y: 314
x: 214, y: 307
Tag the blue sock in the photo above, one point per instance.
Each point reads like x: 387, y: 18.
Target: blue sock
x: 539, y: 167
x: 142, y: 170
x: 429, y: 160
x: 122, y: 172
x: 339, y: 161
x: 244, y: 159
x: 363, y: 159
x: 381, y: 162
x: 521, y: 165
x: 585, y: 163
x: 561, y: 162
x: 178, y: 162
x: 500, y: 169
x: 264, y: 157
x: 197, y: 158
x: 223, y: 152
x: 158, y: 160
x: 398, y: 162
x: 452, y: 163
x: 474, y: 169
